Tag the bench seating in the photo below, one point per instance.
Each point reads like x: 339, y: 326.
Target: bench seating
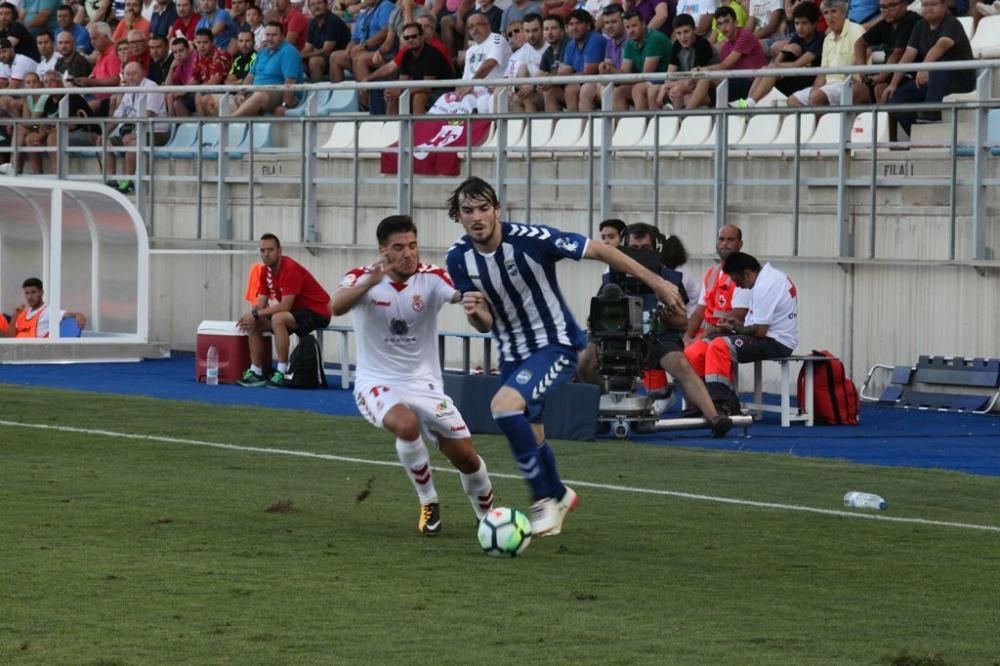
x: 789, y: 414
x: 913, y: 387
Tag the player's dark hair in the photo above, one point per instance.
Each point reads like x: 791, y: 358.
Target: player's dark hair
x: 682, y: 20
x: 806, y: 10
x: 32, y: 282
x: 619, y: 225
x: 394, y: 224
x: 725, y: 12
x: 471, y: 188
x: 738, y: 262
x: 674, y: 253
x: 265, y: 237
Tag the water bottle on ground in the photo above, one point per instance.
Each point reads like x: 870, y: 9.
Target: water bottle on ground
x: 859, y: 500
x: 212, y: 366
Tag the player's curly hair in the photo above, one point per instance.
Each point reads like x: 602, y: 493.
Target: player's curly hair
x: 471, y: 188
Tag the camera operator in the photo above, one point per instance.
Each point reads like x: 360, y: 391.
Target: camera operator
x: 665, y: 346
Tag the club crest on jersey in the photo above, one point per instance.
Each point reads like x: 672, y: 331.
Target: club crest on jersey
x: 523, y: 377
x: 567, y: 245
x: 398, y: 327
x: 511, y: 267
x: 418, y: 303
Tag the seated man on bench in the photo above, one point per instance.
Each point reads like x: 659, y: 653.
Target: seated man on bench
x: 31, y: 319
x: 771, y: 329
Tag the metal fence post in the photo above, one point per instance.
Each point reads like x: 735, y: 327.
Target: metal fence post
x: 404, y: 162
x: 503, y: 101
x: 224, y: 222
x: 984, y: 81
x: 607, y: 131
x: 721, y: 152
x: 845, y: 225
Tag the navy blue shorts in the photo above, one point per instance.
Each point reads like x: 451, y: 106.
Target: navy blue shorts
x: 538, y: 374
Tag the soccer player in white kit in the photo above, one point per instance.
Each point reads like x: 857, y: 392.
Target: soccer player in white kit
x: 398, y: 383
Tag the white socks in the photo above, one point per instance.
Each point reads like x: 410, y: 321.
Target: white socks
x: 417, y: 462
x: 479, y: 489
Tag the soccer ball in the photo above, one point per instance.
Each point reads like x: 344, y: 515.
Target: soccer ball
x: 504, y: 532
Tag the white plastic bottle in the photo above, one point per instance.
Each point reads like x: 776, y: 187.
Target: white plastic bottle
x: 858, y: 500
x: 212, y: 366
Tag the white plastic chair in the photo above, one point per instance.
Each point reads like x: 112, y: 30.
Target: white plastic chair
x: 693, y: 132
x: 861, y: 133
x: 541, y: 131
x: 986, y: 41
x: 570, y: 135
x: 784, y: 144
x: 762, y: 130
x: 668, y: 128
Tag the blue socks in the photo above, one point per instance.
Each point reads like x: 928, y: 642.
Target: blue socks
x: 548, y: 458
x: 522, y: 443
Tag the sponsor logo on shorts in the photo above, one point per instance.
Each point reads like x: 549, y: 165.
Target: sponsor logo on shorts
x: 441, y: 406
x: 458, y: 428
x: 523, y: 377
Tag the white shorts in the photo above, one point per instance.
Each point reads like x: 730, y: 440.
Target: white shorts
x: 831, y: 90
x: 435, y: 410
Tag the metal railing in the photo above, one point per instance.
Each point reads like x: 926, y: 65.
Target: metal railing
x: 598, y: 151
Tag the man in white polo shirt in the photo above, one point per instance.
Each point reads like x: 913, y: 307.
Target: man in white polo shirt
x: 771, y: 329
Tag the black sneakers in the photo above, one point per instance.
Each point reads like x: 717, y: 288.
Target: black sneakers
x: 430, y: 519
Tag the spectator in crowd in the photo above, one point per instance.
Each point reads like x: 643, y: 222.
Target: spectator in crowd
x: 390, y: 69
x: 688, y: 53
x: 675, y: 257
x: 48, y: 57
x: 446, y: 12
x: 891, y: 34
x: 560, y: 8
x: 301, y: 305
x: 132, y: 20
x: 764, y: 19
x: 278, y: 63
x: 327, y: 33
x: 138, y: 49
x: 420, y: 62
x: 72, y: 64
x: 293, y: 22
x: 160, y: 59
x: 741, y: 50
x: 492, y: 13
x: 32, y: 318
x: 583, y: 55
x: 126, y: 133
x: 211, y: 66
x: 38, y: 15
x: 646, y: 51
x: 238, y: 12
x: 838, y: 51
x: 702, y: 11
x: 186, y: 23
x: 718, y: 297
x: 656, y: 14
x: 526, y: 63
x: 515, y: 36
x: 614, y: 49
x: 32, y: 108
x: 405, y: 12
x: 13, y: 68
x: 64, y: 17
x: 716, y: 36
x: 255, y: 19
x: 771, y: 329
x: 244, y: 58
x: 218, y: 21
x: 938, y: 37
x: 162, y: 18
x: 804, y: 49
x: 180, y: 74
x: 370, y: 29
x: 16, y: 33
x: 485, y: 58
x: 529, y: 98
x: 865, y: 12
x: 516, y: 11
x: 612, y: 231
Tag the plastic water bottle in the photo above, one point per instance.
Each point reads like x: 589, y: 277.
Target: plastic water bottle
x: 212, y: 366
x: 859, y: 500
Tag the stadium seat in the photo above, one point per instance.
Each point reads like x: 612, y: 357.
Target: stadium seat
x: 183, y: 144
x: 784, y: 143
x: 861, y: 133
x: 569, y: 136
x: 969, y: 24
x: 314, y: 99
x: 992, y: 136
x: 629, y: 132
x: 341, y: 138
x: 236, y: 135
x: 773, y: 98
x: 339, y: 101
x: 262, y: 138
x: 372, y: 136
x: 667, y: 126
x: 986, y: 41
x: 762, y: 130
x: 540, y: 131
x: 488, y: 149
x: 68, y: 328
x: 825, y: 140
x: 693, y: 133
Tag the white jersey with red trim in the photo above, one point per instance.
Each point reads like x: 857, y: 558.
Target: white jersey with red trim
x: 395, y: 326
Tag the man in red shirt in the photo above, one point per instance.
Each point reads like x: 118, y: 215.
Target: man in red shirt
x: 294, y: 23
x: 741, y: 50
x: 186, y: 23
x: 301, y: 306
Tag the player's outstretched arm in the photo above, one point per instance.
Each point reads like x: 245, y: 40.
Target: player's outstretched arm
x: 347, y: 296
x: 477, y: 311
x: 667, y: 293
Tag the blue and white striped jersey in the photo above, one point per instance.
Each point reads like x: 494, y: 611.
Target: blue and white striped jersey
x: 519, y: 282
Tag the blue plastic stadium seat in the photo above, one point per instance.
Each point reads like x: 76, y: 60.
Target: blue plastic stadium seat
x: 317, y: 97
x: 340, y: 101
x: 262, y: 138
x: 235, y: 136
x: 183, y: 144
x: 68, y: 328
x: 992, y: 136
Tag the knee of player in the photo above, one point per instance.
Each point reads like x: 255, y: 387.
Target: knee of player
x: 405, y: 426
x: 506, y: 400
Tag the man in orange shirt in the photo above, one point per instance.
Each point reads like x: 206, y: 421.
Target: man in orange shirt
x: 301, y: 306
x: 31, y: 319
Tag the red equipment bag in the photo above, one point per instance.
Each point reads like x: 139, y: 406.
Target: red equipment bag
x: 835, y: 398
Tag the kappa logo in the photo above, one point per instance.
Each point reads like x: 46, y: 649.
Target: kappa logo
x: 418, y: 303
x: 567, y: 245
x: 523, y: 377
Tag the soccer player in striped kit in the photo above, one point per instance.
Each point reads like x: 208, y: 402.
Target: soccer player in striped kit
x: 507, y: 275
